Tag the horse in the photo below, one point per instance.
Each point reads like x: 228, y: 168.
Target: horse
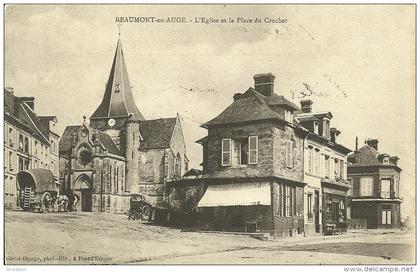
x: 62, y: 201
x: 75, y: 201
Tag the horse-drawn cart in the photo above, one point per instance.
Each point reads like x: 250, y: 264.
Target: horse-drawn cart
x: 37, y: 189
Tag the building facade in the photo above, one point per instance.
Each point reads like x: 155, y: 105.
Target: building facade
x: 29, y: 143
x: 375, y: 179
x: 325, y: 173
x: 253, y: 166
x: 119, y: 153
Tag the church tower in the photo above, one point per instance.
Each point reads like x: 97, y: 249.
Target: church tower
x: 118, y: 101
x: 132, y: 144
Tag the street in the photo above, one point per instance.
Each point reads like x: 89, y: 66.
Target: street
x: 92, y: 238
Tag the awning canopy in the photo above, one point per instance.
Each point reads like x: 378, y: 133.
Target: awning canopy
x: 39, y: 179
x: 237, y: 194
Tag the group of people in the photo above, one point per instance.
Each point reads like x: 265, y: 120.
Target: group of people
x: 61, y: 202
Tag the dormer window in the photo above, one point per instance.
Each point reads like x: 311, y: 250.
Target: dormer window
x: 386, y: 160
x: 316, y: 127
x: 288, y: 116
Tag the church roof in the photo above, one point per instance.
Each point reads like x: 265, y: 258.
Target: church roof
x: 157, y: 133
x: 69, y: 138
x: 118, y: 100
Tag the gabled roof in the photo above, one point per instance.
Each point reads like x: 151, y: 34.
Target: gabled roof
x: 23, y: 114
x: 157, y: 133
x: 251, y: 106
x: 69, y: 138
x: 118, y: 100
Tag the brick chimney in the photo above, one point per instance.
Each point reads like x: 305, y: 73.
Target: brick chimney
x: 373, y: 142
x: 306, y: 106
x: 264, y: 83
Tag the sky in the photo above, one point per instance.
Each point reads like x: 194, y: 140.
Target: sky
x: 359, y: 62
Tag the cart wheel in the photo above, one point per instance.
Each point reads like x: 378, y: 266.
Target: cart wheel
x: 146, y: 210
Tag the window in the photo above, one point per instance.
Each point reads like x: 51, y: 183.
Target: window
x: 288, y: 204
x: 366, y: 186
x: 341, y: 169
x: 310, y: 158
x: 226, y: 152
x: 337, y: 169
x: 278, y: 201
x: 385, y: 188
x: 327, y: 166
x: 316, y: 162
x: 26, y: 145
x: 20, y: 143
x: 253, y: 149
x: 240, y: 152
x: 11, y: 161
x: 11, y: 137
x: 282, y: 193
x: 386, y: 217
x: 289, y: 153
x: 178, y: 165
x: 316, y: 128
x: 310, y: 210
x: 288, y: 116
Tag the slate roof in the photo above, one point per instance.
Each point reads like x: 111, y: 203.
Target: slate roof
x: 109, y: 144
x: 69, y: 137
x: 252, y: 106
x: 118, y: 100
x: 18, y: 111
x: 156, y: 133
x: 366, y: 156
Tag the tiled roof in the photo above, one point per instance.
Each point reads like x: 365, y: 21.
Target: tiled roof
x: 250, y: 107
x: 156, y: 133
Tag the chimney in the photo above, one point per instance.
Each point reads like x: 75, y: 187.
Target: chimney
x: 357, y: 144
x: 306, y: 106
x: 373, y: 142
x: 237, y: 96
x: 264, y: 83
x: 30, y: 101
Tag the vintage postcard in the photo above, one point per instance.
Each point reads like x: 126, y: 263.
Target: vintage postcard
x: 210, y: 134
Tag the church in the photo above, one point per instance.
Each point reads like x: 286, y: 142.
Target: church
x: 119, y: 153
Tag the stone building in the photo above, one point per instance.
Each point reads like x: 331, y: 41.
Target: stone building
x: 375, y: 180
x: 325, y: 173
x: 253, y: 166
x: 119, y: 153
x: 29, y: 142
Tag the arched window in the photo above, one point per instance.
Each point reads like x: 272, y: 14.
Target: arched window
x: 178, y: 165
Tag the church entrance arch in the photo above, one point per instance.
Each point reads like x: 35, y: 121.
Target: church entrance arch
x: 83, y: 188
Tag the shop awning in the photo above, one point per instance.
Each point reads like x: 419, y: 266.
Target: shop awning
x: 237, y: 194
x: 39, y: 179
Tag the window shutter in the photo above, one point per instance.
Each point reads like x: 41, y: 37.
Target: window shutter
x: 226, y: 152
x: 253, y: 150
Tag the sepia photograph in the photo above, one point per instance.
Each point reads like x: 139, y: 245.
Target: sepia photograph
x: 210, y: 134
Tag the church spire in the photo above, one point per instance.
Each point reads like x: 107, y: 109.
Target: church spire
x: 118, y: 100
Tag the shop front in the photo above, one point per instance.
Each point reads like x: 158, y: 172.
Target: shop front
x: 334, y: 207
